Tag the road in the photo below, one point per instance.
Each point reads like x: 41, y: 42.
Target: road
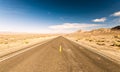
x: 58, y: 55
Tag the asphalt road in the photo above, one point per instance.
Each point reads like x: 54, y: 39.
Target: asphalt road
x: 58, y: 55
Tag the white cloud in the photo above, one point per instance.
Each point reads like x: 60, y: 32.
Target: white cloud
x: 100, y: 20
x: 116, y: 14
x: 72, y: 26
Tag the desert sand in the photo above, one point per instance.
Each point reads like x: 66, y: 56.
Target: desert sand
x: 10, y: 42
x: 104, y: 40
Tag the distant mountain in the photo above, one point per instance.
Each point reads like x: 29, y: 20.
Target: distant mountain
x: 116, y: 28
x: 101, y: 30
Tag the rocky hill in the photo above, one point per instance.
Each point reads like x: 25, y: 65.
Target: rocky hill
x: 116, y: 28
x: 101, y: 30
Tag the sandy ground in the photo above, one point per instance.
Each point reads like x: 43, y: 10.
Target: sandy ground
x: 107, y: 44
x: 13, y: 42
x: 48, y: 57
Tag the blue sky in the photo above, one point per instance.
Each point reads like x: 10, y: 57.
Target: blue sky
x: 58, y: 16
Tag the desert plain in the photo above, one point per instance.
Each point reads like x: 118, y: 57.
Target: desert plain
x: 103, y: 40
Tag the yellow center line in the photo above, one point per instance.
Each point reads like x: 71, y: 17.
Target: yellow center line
x: 60, y: 48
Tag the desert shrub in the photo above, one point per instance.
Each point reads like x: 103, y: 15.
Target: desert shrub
x: 102, y: 38
x: 1, y: 42
x: 77, y: 40
x: 107, y: 41
x: 90, y: 40
x: 116, y: 44
x: 118, y: 40
x: 26, y: 42
x: 5, y: 42
x: 100, y: 43
x: 117, y: 36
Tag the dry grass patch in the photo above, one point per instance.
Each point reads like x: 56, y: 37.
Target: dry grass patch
x: 116, y: 44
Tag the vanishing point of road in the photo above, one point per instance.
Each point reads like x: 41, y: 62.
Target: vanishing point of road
x: 58, y: 55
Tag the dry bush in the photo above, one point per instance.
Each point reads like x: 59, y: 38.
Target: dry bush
x: 100, y: 43
x: 90, y: 40
x: 117, y: 36
x: 77, y: 40
x: 118, y: 40
x: 116, y: 44
x: 10, y: 38
x: 26, y: 42
x: 5, y: 42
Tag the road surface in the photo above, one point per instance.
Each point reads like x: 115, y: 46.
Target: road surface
x: 58, y: 55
